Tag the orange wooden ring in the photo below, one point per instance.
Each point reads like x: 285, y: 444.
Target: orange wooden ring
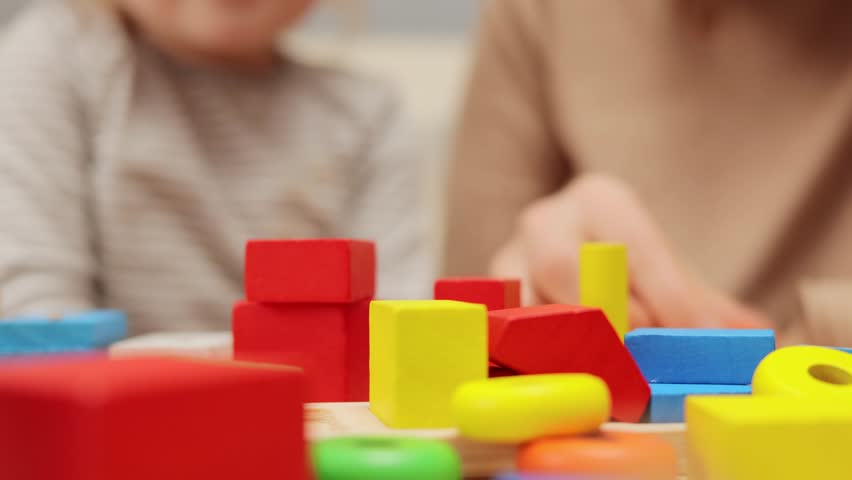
x: 634, y: 456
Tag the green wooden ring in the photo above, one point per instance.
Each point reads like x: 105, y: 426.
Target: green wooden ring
x: 384, y: 458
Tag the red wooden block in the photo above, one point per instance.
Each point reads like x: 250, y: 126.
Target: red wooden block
x: 146, y: 418
x: 310, y: 271
x: 329, y: 342
x: 561, y: 338
x: 494, y: 293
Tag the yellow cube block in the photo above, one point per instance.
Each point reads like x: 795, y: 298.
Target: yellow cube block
x: 767, y: 437
x: 420, y: 352
x: 603, y: 282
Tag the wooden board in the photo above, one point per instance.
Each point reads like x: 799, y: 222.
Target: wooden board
x: 328, y: 420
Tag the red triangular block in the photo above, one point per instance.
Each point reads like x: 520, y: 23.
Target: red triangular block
x: 562, y: 338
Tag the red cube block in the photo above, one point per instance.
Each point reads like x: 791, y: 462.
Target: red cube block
x: 148, y: 418
x: 569, y: 339
x: 310, y: 271
x: 330, y: 342
x: 494, y: 293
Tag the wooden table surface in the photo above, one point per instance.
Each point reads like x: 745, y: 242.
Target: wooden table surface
x: 479, y: 460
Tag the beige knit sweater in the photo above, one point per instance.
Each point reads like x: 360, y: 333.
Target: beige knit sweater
x: 732, y: 120
x: 131, y: 181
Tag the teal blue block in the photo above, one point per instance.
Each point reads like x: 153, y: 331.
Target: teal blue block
x: 73, y: 333
x: 847, y: 350
x: 667, y: 400
x: 699, y: 356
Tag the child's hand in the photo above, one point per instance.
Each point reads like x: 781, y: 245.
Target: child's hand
x: 545, y: 248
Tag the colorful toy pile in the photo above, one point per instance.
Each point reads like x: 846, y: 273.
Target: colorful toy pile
x: 471, y: 365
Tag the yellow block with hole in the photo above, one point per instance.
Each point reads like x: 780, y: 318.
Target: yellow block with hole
x: 421, y: 351
x: 805, y: 371
x: 768, y: 437
x: 521, y: 408
x: 603, y: 282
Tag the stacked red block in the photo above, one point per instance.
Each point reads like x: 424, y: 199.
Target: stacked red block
x: 494, y: 293
x: 308, y: 306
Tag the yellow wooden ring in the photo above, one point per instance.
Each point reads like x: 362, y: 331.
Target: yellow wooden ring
x: 804, y: 371
x: 521, y: 408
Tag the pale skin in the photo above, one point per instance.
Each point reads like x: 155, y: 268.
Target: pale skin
x: 663, y: 293
x: 232, y: 33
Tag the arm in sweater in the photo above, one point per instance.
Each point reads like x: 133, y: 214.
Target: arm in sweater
x: 47, y: 265
x: 506, y: 152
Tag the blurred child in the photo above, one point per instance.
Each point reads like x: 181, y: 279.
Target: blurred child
x: 142, y: 142
x: 713, y: 138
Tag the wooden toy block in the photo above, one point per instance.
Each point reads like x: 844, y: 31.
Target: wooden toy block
x: 843, y: 349
x: 604, y: 282
x: 777, y: 437
x: 495, y: 294
x: 329, y: 342
x: 522, y: 408
x: 73, y: 333
x: 668, y: 400
x: 479, y: 459
x: 805, y: 371
x: 385, y: 458
x: 210, y: 345
x: 310, y: 271
x: 618, y: 455
x: 699, y: 356
x: 569, y: 339
x: 147, y: 418
x: 420, y: 352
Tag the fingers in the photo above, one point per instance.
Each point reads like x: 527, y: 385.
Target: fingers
x: 610, y: 212
x: 550, y: 242
x: 639, y: 316
x: 544, y: 254
x: 732, y: 314
x: 510, y: 262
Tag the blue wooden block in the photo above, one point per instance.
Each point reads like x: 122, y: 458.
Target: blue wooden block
x: 699, y: 356
x: 73, y: 333
x: 842, y: 349
x: 667, y: 399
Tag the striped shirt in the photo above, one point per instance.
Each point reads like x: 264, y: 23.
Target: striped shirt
x: 129, y: 180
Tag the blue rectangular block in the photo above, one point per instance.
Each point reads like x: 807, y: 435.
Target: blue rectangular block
x: 72, y: 333
x: 699, y: 356
x: 667, y: 399
x: 842, y: 349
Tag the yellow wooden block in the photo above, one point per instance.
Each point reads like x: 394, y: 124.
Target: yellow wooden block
x: 603, y: 282
x: 522, y: 408
x: 804, y: 371
x: 420, y: 352
x: 769, y: 437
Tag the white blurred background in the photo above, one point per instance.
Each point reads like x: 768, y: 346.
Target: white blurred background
x: 423, y: 47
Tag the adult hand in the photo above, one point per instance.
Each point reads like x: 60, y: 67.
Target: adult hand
x: 545, y: 247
